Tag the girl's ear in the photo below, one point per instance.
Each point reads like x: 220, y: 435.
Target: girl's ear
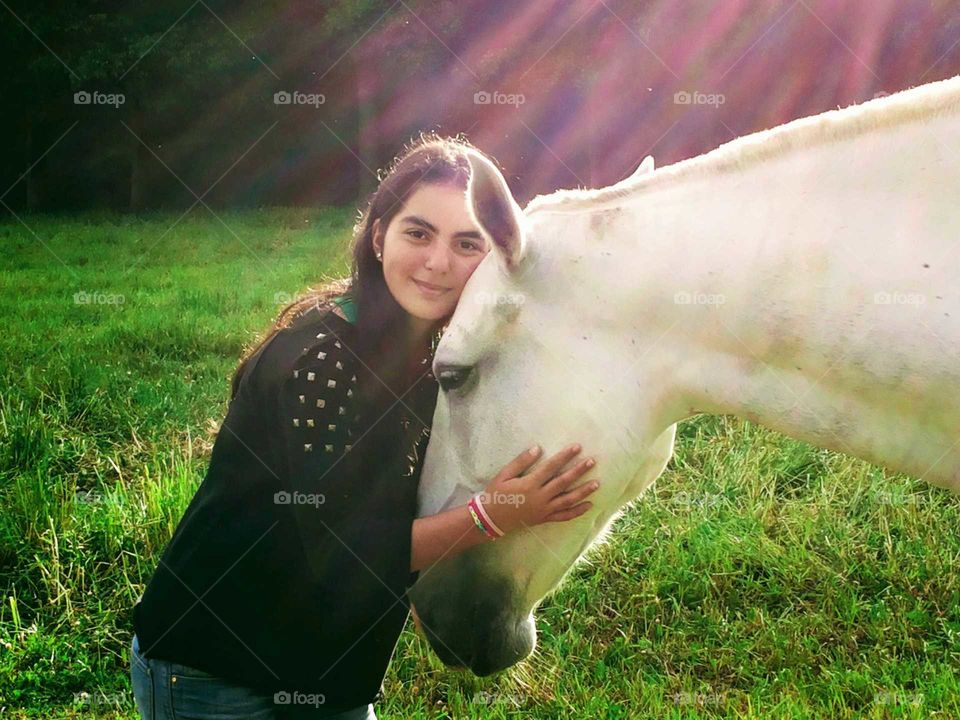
x: 377, y: 237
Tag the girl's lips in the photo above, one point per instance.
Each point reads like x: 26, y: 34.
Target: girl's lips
x: 430, y: 289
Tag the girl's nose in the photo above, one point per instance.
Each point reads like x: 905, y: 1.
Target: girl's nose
x: 438, y: 258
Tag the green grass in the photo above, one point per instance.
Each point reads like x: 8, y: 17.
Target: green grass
x: 760, y: 578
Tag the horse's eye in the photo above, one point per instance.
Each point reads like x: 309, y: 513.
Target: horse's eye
x: 451, y: 377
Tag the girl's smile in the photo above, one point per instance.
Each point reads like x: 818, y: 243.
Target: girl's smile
x: 430, y: 290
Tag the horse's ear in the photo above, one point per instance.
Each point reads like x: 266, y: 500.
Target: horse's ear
x: 493, y: 208
x: 644, y: 168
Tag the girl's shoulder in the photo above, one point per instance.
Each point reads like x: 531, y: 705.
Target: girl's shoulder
x: 345, y: 307
x: 341, y: 306
x: 316, y: 341
x: 338, y: 312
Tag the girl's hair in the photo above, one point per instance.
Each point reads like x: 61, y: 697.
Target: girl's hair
x: 431, y: 159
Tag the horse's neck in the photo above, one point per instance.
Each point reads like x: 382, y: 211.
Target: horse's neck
x: 814, y: 292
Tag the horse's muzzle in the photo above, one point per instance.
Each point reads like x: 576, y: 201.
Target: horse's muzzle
x: 471, y: 619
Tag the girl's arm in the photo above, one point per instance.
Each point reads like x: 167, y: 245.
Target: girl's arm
x: 512, y: 500
x: 442, y: 535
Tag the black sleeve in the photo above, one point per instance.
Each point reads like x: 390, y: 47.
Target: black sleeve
x: 353, y: 516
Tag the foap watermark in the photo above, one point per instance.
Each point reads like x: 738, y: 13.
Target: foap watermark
x: 88, y: 497
x: 683, y: 97
x: 492, y: 298
x: 98, y: 699
x: 282, y: 97
x: 284, y: 298
x: 298, y: 498
x: 294, y: 697
x: 484, y: 697
x: 699, y: 699
x: 502, y: 498
x: 699, y: 500
x: 85, y: 297
x: 483, y: 97
x: 85, y: 97
x: 895, y: 497
x: 898, y: 698
x: 698, y: 298
x: 899, y: 298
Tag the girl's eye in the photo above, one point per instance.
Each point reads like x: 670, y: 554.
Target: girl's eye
x: 467, y: 245
x: 418, y: 234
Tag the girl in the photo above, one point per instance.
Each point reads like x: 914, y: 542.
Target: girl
x: 282, y: 591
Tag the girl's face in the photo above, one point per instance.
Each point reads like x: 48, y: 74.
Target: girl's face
x: 430, y: 249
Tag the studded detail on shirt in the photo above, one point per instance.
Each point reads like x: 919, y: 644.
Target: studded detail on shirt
x: 315, y: 382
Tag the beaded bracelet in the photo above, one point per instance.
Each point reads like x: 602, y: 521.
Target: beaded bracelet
x: 482, y: 518
x: 478, y: 522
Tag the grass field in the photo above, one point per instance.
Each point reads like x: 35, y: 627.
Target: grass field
x: 760, y: 577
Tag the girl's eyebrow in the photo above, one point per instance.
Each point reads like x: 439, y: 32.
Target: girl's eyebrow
x: 473, y: 234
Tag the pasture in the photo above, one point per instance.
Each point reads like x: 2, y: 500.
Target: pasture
x: 759, y: 578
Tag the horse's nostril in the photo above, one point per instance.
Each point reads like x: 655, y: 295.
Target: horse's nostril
x: 451, y: 377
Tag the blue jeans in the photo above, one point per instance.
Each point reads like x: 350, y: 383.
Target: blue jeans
x: 169, y: 691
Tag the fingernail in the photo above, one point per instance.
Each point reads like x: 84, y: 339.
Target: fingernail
x: 595, y: 485
x: 535, y: 450
x: 575, y: 448
x: 590, y: 463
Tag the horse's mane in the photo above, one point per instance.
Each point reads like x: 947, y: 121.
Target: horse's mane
x: 920, y: 103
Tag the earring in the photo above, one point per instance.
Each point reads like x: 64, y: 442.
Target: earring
x: 380, y: 257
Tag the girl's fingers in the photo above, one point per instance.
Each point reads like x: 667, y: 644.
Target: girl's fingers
x: 572, y: 497
x: 570, y: 513
x: 565, y: 479
x: 521, y: 462
x: 549, y: 467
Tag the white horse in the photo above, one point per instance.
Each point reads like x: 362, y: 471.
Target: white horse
x: 805, y: 278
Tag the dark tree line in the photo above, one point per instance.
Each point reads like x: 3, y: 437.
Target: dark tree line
x: 167, y: 104
x: 146, y: 105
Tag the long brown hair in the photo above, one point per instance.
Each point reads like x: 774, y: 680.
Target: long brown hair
x: 430, y: 159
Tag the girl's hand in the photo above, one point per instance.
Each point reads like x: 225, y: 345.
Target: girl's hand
x: 544, y: 495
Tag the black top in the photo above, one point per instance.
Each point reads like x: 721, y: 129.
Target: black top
x: 289, y: 568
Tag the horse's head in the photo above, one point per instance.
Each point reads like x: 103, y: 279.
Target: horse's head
x: 535, y: 353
